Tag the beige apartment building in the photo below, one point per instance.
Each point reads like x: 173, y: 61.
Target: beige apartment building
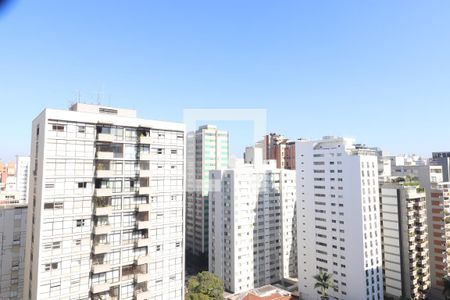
x: 404, y: 240
x: 106, y: 209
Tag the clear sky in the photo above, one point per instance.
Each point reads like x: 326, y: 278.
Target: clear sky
x: 378, y: 71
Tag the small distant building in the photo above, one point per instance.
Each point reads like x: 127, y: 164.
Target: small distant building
x: 279, y: 148
x: 267, y: 292
x: 442, y: 159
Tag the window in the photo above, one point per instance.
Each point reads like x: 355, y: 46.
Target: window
x: 81, y: 129
x: 80, y: 222
x: 49, y: 205
x: 51, y: 266
x: 58, y: 127
x: 82, y: 185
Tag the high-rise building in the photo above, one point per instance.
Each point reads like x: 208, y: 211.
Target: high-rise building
x: 438, y: 205
x: 279, y: 148
x: 443, y: 159
x: 12, y: 250
x: 22, y: 178
x: 439, y: 236
x: 207, y: 149
x: 405, y: 240
x: 252, y: 224
x: 338, y: 218
x: 105, y: 218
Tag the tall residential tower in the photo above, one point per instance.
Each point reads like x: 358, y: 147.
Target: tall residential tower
x: 105, y: 217
x: 338, y: 218
x: 207, y: 149
x: 252, y: 224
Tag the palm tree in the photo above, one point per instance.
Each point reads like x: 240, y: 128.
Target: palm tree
x: 446, y: 290
x: 323, y: 283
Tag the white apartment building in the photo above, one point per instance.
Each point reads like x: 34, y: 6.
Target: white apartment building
x: 338, y: 218
x: 252, y: 224
x: 12, y: 250
x: 407, y: 160
x: 207, y: 149
x: 405, y: 240
x: 22, y: 178
x: 106, y: 210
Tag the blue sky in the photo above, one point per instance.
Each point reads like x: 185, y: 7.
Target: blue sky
x: 378, y: 71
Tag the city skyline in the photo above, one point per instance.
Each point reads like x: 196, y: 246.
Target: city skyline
x: 365, y: 70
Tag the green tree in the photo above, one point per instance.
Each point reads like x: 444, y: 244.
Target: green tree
x: 205, y: 286
x: 446, y: 290
x: 323, y: 283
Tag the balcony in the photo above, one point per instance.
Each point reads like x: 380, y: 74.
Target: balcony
x: 143, y: 242
x: 141, y: 294
x: 145, y: 139
x: 141, y: 260
x: 100, y: 267
x: 103, y: 211
x: 143, y: 225
x: 144, y: 156
x: 103, y: 173
x: 144, y: 190
x: 102, y: 248
x: 105, y: 155
x: 100, y: 287
x: 144, y: 173
x: 103, y: 192
x: 141, y: 277
x: 105, y: 137
x: 144, y: 207
x: 102, y: 229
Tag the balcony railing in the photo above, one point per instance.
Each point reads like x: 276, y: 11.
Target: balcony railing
x: 144, y: 156
x: 100, y: 267
x: 103, y: 211
x: 102, y: 228
x: 144, y: 139
x: 104, y: 173
x: 142, y: 242
x: 143, y: 207
x: 102, y: 248
x: 141, y: 294
x: 103, y: 192
x: 100, y: 287
x: 143, y: 225
x: 105, y: 154
x: 105, y: 137
x: 145, y: 259
x: 144, y: 190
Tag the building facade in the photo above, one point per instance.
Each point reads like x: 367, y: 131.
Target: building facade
x: 405, y: 240
x: 439, y: 236
x: 106, y: 210
x: 6, y: 170
x: 22, y: 178
x: 12, y: 250
x: 207, y: 149
x: 438, y: 205
x: 252, y: 225
x: 338, y: 218
x: 280, y: 149
x: 443, y: 159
